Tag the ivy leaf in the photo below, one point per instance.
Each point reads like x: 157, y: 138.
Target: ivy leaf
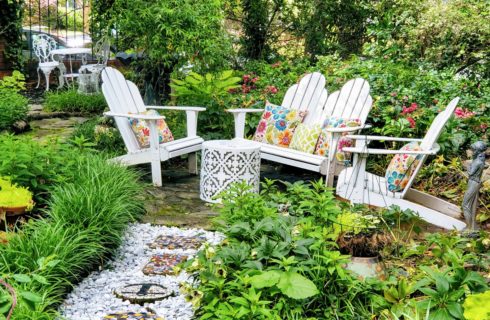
x: 265, y: 279
x: 296, y: 286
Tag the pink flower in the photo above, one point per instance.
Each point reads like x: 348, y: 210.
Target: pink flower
x: 393, y: 94
x: 483, y: 126
x: 271, y: 89
x: 412, y: 108
x: 255, y: 79
x: 246, y: 78
x: 277, y: 64
x: 412, y: 122
x: 463, y: 113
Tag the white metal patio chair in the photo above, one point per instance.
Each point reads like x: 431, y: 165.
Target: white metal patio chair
x: 125, y: 102
x: 42, y: 47
x: 359, y: 186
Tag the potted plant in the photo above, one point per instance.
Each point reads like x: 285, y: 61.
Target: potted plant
x: 364, y: 240
x: 14, y: 200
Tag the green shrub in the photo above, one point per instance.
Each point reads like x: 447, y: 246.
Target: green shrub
x: 84, y: 225
x: 72, y: 101
x: 36, y: 166
x: 208, y: 91
x: 13, y: 105
x: 102, y: 133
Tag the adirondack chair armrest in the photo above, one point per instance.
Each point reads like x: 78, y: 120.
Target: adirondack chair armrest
x: 133, y: 116
x: 245, y: 110
x: 191, y: 116
x: 381, y: 138
x: 178, y: 108
x: 346, y: 129
x: 239, y: 116
x: 383, y: 151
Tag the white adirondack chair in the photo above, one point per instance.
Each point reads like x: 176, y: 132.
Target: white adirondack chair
x: 124, y: 100
x: 359, y: 186
x: 352, y: 101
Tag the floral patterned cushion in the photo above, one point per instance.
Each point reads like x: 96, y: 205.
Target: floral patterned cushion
x: 401, y: 167
x: 277, y: 125
x: 322, y: 145
x: 142, y: 130
x: 305, y: 137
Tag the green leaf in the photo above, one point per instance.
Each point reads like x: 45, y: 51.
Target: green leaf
x: 455, y: 310
x: 265, y: 279
x: 296, y: 286
x: 5, y: 306
x: 23, y: 278
x: 40, y: 279
x: 31, y: 296
x: 442, y: 284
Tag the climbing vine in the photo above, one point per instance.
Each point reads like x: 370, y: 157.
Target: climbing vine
x: 11, y: 31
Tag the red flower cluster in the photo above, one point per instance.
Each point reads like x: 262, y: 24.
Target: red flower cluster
x: 463, y: 113
x: 412, y: 122
x: 412, y: 108
x: 249, y: 83
x: 271, y: 89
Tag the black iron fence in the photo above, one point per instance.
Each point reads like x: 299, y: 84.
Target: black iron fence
x: 67, y: 21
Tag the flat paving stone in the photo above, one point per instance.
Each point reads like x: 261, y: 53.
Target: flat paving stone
x: 140, y: 293
x: 132, y: 316
x: 163, y: 264
x: 177, y: 242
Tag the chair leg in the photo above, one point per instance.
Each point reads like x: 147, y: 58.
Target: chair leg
x: 156, y: 173
x: 38, y: 78
x: 46, y: 75
x: 192, y: 163
x: 331, y: 173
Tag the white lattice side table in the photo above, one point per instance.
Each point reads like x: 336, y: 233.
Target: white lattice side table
x: 227, y: 161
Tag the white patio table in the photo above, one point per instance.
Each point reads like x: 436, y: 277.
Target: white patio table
x: 225, y: 162
x: 70, y: 52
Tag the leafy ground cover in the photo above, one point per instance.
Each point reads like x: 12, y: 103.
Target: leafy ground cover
x: 283, y: 259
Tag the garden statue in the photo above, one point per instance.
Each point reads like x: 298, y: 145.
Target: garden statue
x: 475, y: 171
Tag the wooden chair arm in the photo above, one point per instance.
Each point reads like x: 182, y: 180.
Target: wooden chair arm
x: 381, y: 138
x: 133, y: 116
x: 178, y: 108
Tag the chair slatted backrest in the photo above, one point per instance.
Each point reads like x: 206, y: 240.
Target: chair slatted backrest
x: 352, y: 101
x: 306, y: 95
x: 430, y: 138
x: 122, y: 97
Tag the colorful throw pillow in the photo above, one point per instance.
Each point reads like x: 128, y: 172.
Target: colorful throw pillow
x: 401, y: 167
x: 277, y: 125
x: 141, y: 130
x: 322, y: 145
x: 305, y: 137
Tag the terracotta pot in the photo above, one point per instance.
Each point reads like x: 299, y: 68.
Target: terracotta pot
x: 366, y: 267
x: 14, y: 211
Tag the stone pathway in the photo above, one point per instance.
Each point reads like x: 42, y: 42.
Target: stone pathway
x: 95, y: 299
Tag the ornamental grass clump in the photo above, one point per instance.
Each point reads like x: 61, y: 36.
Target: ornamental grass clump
x: 82, y: 228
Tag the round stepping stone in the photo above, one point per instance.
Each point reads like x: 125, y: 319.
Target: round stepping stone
x: 177, y: 242
x: 132, y: 316
x: 140, y: 293
x: 163, y: 264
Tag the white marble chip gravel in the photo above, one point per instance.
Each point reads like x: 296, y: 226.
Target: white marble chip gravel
x: 93, y: 298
